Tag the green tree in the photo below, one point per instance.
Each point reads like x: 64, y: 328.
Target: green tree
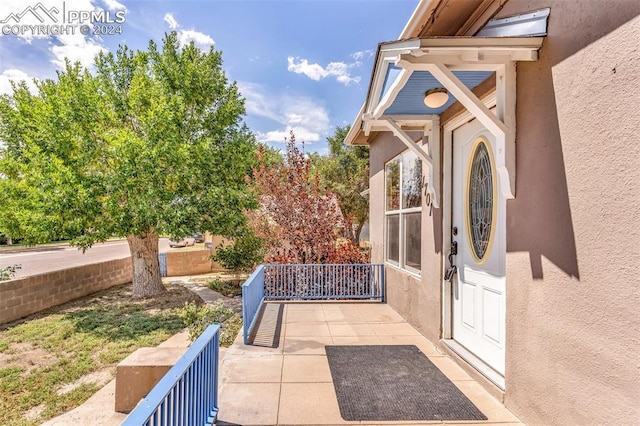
x: 345, y: 171
x: 151, y: 143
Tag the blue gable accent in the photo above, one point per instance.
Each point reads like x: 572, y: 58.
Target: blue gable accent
x: 410, y: 99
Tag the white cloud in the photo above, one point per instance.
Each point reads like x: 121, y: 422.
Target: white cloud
x: 316, y: 72
x: 308, y: 119
x: 169, y: 19
x: 359, y: 55
x: 15, y: 75
x: 76, y: 48
x: 114, y: 5
x: 256, y: 102
x: 202, y: 40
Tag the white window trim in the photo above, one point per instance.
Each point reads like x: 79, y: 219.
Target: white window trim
x: 401, y: 264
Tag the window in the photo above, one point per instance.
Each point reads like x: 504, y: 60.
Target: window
x: 481, y: 190
x: 403, y: 211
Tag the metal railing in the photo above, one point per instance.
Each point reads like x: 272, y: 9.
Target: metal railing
x: 252, y: 298
x: 188, y: 393
x: 323, y: 281
x: 162, y: 260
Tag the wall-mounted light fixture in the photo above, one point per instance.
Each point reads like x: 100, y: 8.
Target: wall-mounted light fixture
x: 435, y: 98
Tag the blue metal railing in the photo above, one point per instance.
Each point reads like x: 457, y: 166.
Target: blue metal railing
x: 309, y: 282
x: 162, y: 260
x: 252, y: 298
x: 188, y: 393
x: 323, y: 281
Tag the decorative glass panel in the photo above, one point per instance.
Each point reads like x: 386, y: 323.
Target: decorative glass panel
x: 392, y: 186
x: 393, y: 238
x: 480, y: 200
x: 411, y: 180
x: 412, y: 227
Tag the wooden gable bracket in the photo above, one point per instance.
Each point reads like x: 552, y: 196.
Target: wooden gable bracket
x: 502, y: 124
x: 430, y: 126
x: 430, y: 158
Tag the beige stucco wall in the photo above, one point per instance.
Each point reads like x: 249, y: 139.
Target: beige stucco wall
x: 417, y: 299
x: 573, y: 230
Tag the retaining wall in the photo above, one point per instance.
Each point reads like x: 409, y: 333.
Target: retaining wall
x: 25, y: 296
x: 189, y: 262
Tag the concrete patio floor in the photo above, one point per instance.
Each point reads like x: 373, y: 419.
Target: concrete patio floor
x: 292, y: 385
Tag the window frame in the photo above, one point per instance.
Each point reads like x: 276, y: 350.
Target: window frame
x: 401, y: 212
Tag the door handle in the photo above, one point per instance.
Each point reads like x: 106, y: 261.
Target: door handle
x: 452, y: 269
x: 450, y: 273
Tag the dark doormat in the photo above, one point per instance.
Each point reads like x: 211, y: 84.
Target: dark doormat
x: 394, y: 383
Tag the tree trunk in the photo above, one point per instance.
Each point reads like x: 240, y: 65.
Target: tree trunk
x: 356, y: 234
x: 146, y: 267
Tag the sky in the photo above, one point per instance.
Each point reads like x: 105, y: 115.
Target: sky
x: 303, y: 65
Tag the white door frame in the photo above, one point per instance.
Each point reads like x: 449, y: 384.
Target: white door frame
x: 447, y: 204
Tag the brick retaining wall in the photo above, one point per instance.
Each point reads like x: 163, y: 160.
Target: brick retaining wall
x: 25, y: 296
x: 189, y: 262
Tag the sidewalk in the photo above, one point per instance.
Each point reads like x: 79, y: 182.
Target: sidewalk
x: 6, y: 249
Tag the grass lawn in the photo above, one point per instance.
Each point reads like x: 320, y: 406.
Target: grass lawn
x: 55, y: 360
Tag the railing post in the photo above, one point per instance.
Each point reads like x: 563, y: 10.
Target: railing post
x: 383, y: 284
x: 253, y: 294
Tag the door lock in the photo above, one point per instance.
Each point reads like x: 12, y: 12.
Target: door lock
x: 454, y: 249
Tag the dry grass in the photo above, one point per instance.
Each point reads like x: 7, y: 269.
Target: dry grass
x: 55, y: 360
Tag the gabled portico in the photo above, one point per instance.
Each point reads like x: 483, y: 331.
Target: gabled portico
x: 405, y: 70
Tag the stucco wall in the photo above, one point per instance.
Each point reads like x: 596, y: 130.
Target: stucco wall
x: 417, y: 299
x: 25, y: 296
x: 573, y: 230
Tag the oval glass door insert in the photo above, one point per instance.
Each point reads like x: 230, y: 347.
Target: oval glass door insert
x: 480, y: 201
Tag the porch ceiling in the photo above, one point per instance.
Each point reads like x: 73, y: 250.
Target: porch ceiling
x: 410, y: 99
x: 404, y: 71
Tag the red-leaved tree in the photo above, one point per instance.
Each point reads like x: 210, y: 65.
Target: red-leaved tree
x: 298, y: 220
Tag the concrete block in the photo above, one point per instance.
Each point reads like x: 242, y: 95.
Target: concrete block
x: 139, y: 373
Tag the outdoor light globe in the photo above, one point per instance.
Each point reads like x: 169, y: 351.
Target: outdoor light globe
x: 435, y: 98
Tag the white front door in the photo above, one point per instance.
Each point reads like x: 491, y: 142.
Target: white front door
x: 478, y: 222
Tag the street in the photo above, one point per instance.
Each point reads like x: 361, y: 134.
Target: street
x: 37, y: 261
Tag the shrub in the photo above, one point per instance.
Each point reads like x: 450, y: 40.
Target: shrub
x: 8, y: 272
x: 230, y: 330
x: 228, y: 288
x: 245, y: 252
x: 198, y: 318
